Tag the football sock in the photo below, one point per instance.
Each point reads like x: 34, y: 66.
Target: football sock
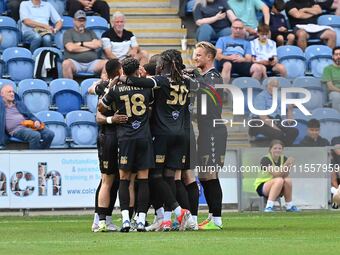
x: 207, y: 193
x: 178, y: 211
x: 215, y: 197
x: 160, y: 213
x: 270, y: 203
x: 193, y: 195
x: 96, y: 196
x: 333, y: 190
x: 108, y: 219
x: 131, y: 210
x: 141, y: 218
x: 124, y: 195
x: 171, y: 182
x: 217, y: 220
x: 125, y: 215
x: 194, y: 218
x: 167, y: 216
x: 113, y: 194
x: 143, y: 195
x: 96, y: 218
x: 182, y: 195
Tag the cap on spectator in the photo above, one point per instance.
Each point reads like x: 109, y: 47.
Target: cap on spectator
x: 80, y: 14
x: 336, y: 141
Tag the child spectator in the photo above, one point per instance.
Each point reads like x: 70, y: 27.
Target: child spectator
x: 313, y: 138
x: 263, y: 51
x: 279, y: 26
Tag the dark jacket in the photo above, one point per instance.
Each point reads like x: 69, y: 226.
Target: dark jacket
x: 21, y: 108
x: 309, y: 142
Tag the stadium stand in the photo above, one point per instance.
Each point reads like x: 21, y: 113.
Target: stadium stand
x: 334, y: 22
x: 90, y: 101
x: 318, y: 57
x: 10, y: 31
x: 66, y: 95
x: 35, y: 94
x: 330, y: 122
x: 293, y: 58
x: 302, y: 124
x: 58, y: 38
x: 83, y: 129
x: 98, y: 24
x: 7, y: 81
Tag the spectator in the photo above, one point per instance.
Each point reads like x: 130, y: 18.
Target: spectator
x: 303, y: 14
x: 335, y: 175
x: 13, y: 118
x: 35, y: 16
x: 81, y: 49
x: 331, y: 75
x: 279, y: 26
x: 336, y: 6
x: 213, y: 18
x: 120, y: 43
x: 270, y: 125
x: 234, y: 55
x: 274, y: 180
x: 245, y: 10
x: 99, y: 6
x: 264, y: 51
x: 13, y: 7
x: 313, y: 138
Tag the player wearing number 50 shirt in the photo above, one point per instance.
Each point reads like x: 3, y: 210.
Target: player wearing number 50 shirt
x: 167, y: 127
x: 134, y: 142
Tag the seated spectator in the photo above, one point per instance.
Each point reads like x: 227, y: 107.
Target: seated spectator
x: 279, y: 26
x: 81, y: 49
x: 331, y: 75
x: 120, y: 43
x: 13, y: 8
x: 264, y: 52
x: 274, y: 180
x: 336, y: 7
x: 303, y: 14
x: 17, y: 121
x: 245, y: 10
x: 213, y: 18
x: 234, y: 55
x: 99, y: 6
x: 335, y: 175
x: 326, y: 5
x: 35, y: 16
x: 270, y: 125
x: 313, y: 138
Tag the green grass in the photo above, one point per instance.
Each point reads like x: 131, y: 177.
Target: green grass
x: 244, y: 233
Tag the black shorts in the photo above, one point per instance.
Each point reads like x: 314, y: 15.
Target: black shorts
x: 316, y: 35
x: 259, y: 190
x: 136, y: 154
x: 191, y: 151
x: 169, y: 151
x: 108, y: 152
x: 242, y: 69
x: 211, y: 148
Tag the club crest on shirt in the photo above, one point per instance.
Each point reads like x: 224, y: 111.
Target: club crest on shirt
x: 175, y: 115
x: 136, y: 124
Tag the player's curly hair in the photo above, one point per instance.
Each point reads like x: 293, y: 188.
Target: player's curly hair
x: 173, y: 60
x: 112, y: 67
x: 130, y: 65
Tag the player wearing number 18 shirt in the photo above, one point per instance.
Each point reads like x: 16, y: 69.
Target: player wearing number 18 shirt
x: 167, y: 127
x: 134, y: 142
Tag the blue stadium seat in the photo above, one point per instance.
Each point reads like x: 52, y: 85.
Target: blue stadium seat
x: 55, y: 121
x: 58, y: 38
x: 334, y: 22
x: 315, y: 88
x: 293, y: 58
x: 66, y: 95
x: 318, y: 57
x: 59, y: 5
x: 302, y: 124
x: 9, y: 32
x: 83, y: 129
x: 16, y: 59
x: 35, y: 94
x: 247, y: 82
x: 330, y: 122
x: 284, y: 82
x: 55, y: 50
x: 98, y: 24
x: 2, y: 68
x: 89, y: 100
x: 189, y: 8
x: 8, y: 82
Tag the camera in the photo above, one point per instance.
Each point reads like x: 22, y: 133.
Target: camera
x: 222, y: 9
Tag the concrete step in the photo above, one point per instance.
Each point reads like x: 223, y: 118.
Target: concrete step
x: 138, y: 3
x: 160, y: 33
x: 146, y: 11
x: 164, y: 23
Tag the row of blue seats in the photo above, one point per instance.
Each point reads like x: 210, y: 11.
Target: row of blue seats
x: 64, y: 95
x: 77, y: 130
x: 319, y: 96
x: 10, y: 30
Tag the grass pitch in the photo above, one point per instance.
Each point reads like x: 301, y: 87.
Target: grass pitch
x: 244, y: 233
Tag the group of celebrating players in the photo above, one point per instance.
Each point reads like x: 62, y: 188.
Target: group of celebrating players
x: 147, y: 147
